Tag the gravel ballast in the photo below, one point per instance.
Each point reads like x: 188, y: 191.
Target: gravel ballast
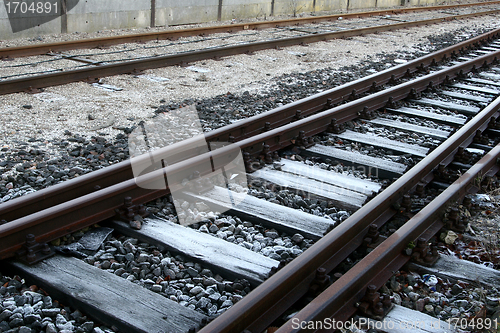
x: 45, y: 141
x: 233, y: 88
x: 77, y: 128
x: 28, y: 309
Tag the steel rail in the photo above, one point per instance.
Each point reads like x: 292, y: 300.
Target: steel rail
x: 72, y: 215
x: 30, y: 50
x: 337, y: 302
x: 134, y: 66
x: 280, y: 116
x: 263, y: 305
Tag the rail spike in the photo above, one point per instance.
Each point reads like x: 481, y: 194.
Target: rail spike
x: 335, y: 127
x: 431, y: 87
x: 453, y: 220
x: 424, y: 254
x: 328, y: 104
x: 132, y: 213
x: 372, y: 236
x: 303, y: 142
x: 374, y: 88
x: 367, y: 114
x: 320, y: 282
x: 33, y: 252
x: 32, y: 90
x: 373, y: 304
x: 422, y: 69
x: 462, y: 156
x: 250, y: 164
x: 266, y: 155
x: 392, y: 104
x: 414, y: 94
x: 442, y: 174
x: 298, y: 115
x: 267, y: 126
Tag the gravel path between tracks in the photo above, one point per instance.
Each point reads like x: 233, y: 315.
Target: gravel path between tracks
x: 19, y: 67
x: 54, y: 38
x: 227, y: 90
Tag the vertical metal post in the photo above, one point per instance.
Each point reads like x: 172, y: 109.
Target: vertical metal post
x: 314, y: 5
x: 64, y: 17
x: 219, y: 11
x: 272, y: 8
x: 153, y: 14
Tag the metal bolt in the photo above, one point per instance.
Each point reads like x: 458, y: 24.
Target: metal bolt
x: 453, y: 216
x: 353, y: 95
x: 298, y: 114
x: 467, y: 202
x: 373, y: 232
x: 266, y: 151
x: 31, y: 255
x: 320, y: 274
x: 329, y: 103
x: 372, y: 289
x: 420, y: 190
x: 30, y: 240
x: 46, y: 248
x: 421, y: 243
x: 378, y: 309
x: 406, y: 201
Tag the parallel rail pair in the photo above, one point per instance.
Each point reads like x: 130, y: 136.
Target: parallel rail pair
x: 93, y: 73
x: 53, y: 212
x: 67, y: 207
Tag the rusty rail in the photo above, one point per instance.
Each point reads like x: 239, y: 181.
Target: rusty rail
x: 280, y: 116
x: 268, y: 301
x: 259, y: 309
x: 54, y: 222
x: 134, y: 66
x: 30, y: 50
x: 338, y: 301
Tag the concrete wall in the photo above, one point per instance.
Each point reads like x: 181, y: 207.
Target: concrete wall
x: 414, y: 3
x: 173, y: 12
x: 362, y: 4
x: 94, y: 15
x: 292, y: 6
x: 235, y: 9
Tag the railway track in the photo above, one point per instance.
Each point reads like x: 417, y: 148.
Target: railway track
x: 54, y: 212
x: 94, y: 69
x: 38, y: 49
